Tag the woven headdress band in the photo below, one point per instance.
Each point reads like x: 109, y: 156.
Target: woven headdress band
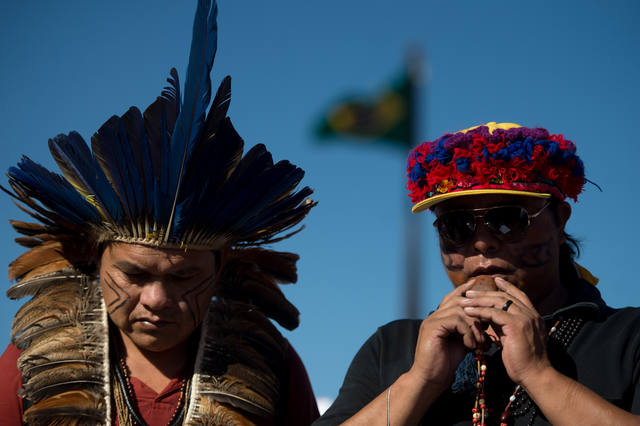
x: 494, y: 158
x: 173, y: 176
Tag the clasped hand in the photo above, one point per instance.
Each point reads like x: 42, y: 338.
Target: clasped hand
x: 462, y: 321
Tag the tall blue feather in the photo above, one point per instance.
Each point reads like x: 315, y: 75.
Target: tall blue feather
x: 110, y: 146
x: 197, y: 94
x: 134, y: 125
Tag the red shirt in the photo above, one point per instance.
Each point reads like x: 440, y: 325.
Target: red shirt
x: 157, y: 408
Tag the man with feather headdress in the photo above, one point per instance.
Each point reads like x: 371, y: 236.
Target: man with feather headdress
x: 151, y: 295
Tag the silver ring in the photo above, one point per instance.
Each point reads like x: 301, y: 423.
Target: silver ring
x: 506, y: 305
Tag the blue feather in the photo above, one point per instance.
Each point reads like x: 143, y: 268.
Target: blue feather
x: 53, y: 191
x: 159, y: 122
x: 197, y: 93
x: 206, y: 172
x: 110, y: 146
x: 80, y: 168
x: 134, y: 125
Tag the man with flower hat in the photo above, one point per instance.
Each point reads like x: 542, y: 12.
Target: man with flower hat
x: 524, y: 338
x: 151, y: 294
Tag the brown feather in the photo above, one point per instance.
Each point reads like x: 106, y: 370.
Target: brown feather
x: 263, y: 293
x: 64, y: 366
x: 47, y: 269
x: 222, y: 415
x: 265, y: 382
x: 74, y: 407
x: 49, y: 255
x: 54, y: 306
x: 60, y: 346
x: 33, y: 285
x: 280, y: 265
x: 28, y: 228
x: 50, y: 381
x: 230, y: 390
x: 251, y: 276
x: 43, y: 254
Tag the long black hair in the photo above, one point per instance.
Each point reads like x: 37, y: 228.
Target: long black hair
x: 569, y: 250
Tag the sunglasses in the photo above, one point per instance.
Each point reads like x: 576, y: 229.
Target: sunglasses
x: 507, y: 223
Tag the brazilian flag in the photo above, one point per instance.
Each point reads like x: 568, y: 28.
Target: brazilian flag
x: 386, y: 117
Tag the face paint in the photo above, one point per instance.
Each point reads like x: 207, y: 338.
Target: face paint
x: 156, y: 297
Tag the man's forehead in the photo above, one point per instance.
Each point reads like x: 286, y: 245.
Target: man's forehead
x: 479, y: 201
x: 136, y: 253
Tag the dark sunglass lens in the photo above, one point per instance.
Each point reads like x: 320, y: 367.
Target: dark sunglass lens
x: 510, y: 222
x: 456, y: 227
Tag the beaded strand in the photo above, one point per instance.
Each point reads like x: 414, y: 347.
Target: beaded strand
x: 563, y: 331
x: 129, y: 395
x: 479, y: 410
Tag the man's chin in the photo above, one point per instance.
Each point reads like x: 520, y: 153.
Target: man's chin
x: 156, y: 343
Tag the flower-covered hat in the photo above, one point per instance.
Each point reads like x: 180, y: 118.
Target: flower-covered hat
x: 495, y: 158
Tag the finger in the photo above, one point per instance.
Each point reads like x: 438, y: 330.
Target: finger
x: 494, y: 315
x: 470, y: 340
x: 514, y: 291
x: 455, y: 324
x: 460, y: 290
x: 478, y: 331
x: 454, y: 296
x: 497, y: 302
x: 456, y: 310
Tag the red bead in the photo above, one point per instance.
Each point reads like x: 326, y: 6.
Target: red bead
x: 483, y: 406
x: 474, y: 421
x: 474, y: 410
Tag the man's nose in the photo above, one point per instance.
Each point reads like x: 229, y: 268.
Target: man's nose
x: 155, y: 296
x: 484, y: 241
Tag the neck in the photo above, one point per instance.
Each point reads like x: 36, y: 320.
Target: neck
x: 155, y: 369
x: 554, y: 300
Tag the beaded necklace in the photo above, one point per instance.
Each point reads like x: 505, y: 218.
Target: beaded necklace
x: 124, y: 395
x: 519, y: 403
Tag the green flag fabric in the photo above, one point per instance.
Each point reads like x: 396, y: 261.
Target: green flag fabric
x: 387, y: 117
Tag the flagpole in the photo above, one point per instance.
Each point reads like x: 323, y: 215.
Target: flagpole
x: 413, y: 222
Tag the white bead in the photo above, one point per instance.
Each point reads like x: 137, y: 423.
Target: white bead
x: 553, y: 329
x: 483, y: 367
x: 512, y: 398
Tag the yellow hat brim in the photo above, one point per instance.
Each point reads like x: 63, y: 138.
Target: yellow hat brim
x: 432, y: 201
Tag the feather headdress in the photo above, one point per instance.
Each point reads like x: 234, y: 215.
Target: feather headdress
x: 172, y: 176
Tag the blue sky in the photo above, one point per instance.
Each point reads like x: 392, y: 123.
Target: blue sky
x: 569, y: 66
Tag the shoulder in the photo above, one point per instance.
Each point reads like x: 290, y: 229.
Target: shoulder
x: 388, y: 352
x: 401, y: 329
x: 10, y: 383
x: 9, y: 364
x: 615, y: 328
x: 298, y: 399
x: 400, y: 334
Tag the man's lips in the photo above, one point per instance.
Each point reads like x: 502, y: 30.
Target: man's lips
x: 152, y: 323
x: 490, y: 270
